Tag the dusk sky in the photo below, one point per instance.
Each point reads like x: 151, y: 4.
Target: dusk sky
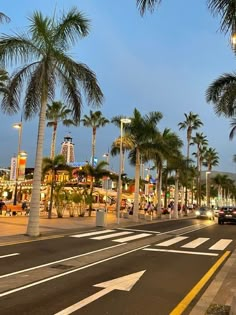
x: 160, y: 62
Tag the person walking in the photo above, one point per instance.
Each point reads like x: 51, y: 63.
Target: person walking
x: 2, y: 206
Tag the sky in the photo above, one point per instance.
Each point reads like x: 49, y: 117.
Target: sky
x: 162, y: 61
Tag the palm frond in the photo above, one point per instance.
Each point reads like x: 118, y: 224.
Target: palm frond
x: 144, y: 5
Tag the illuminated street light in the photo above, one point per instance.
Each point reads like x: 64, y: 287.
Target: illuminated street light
x: 119, y: 188
x: 19, y: 127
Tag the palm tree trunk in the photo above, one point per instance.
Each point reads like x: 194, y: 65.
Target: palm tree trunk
x: 53, y: 144
x: 176, y: 194
x: 136, y: 190
x: 33, y: 223
x: 93, y: 145
x: 159, y: 189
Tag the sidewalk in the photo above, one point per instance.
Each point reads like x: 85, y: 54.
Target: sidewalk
x: 219, y: 298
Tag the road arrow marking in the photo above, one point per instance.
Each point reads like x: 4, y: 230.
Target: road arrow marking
x: 124, y: 283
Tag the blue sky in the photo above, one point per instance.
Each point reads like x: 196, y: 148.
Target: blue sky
x: 160, y: 62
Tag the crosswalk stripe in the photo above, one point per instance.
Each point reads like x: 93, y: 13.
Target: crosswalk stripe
x: 131, y: 238
x: 103, y: 237
x: 221, y: 244
x: 92, y: 233
x: 195, y: 243
x: 179, y: 251
x: 172, y: 241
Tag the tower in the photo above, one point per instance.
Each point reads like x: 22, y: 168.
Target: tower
x: 67, y: 149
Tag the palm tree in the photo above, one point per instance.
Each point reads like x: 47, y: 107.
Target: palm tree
x: 140, y: 132
x: 4, y: 79
x: 144, y: 5
x: 43, y: 54
x: 222, y: 93
x: 55, y: 113
x: 201, y: 141
x: 95, y: 173
x: 52, y: 166
x: 225, y: 9
x: 4, y: 18
x: 164, y: 147
x: 191, y: 122
x: 210, y: 159
x: 95, y: 120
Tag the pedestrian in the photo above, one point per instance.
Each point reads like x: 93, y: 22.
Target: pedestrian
x: 2, y: 206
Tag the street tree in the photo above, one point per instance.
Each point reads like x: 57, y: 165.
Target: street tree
x: 95, y: 173
x: 94, y: 120
x: 51, y: 167
x: 57, y: 113
x: 200, y: 140
x: 140, y: 132
x: 191, y: 122
x: 42, y: 52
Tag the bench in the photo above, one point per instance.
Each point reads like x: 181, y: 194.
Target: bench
x: 13, y: 210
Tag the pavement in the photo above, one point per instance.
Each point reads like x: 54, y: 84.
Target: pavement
x: 219, y: 297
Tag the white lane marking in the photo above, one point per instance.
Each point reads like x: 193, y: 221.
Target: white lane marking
x: 221, y: 244
x: 58, y: 261
x: 91, y: 233
x: 134, y: 230
x: 124, y: 283
x: 195, y: 243
x: 180, y: 252
x: 131, y: 238
x: 70, y: 271
x: 103, y: 237
x: 9, y: 255
x: 172, y: 241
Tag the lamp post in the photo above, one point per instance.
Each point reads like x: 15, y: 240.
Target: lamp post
x: 106, y: 155
x: 119, y: 188
x: 207, y: 189
x: 19, y: 127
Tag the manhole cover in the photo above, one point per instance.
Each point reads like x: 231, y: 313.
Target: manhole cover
x: 62, y: 267
x: 218, y: 309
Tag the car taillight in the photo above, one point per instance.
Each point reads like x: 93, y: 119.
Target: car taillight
x: 221, y: 211
x: 234, y: 212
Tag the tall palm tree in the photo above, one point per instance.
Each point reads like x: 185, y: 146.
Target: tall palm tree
x: 43, y: 54
x: 210, y: 159
x: 191, y: 122
x: 56, y: 113
x: 141, y: 131
x: 94, y: 120
x: 164, y: 147
x: 52, y: 166
x: 200, y: 140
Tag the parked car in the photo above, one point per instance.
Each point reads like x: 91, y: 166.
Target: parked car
x: 227, y: 214
x: 205, y: 213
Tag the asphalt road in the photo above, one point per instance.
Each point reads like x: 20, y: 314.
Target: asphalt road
x: 163, y: 262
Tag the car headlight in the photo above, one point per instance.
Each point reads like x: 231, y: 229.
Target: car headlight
x: 209, y: 214
x: 197, y: 212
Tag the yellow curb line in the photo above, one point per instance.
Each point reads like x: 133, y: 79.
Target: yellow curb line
x: 180, y: 308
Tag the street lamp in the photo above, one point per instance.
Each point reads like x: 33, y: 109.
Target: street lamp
x: 19, y: 127
x: 106, y: 155
x: 207, y: 189
x: 119, y: 188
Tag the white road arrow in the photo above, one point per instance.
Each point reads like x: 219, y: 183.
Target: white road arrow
x: 124, y: 283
